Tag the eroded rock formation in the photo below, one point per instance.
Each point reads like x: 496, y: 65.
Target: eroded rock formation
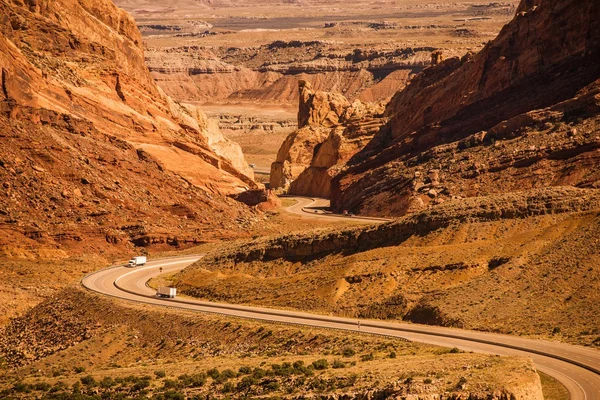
x: 522, y: 113
x: 330, y: 131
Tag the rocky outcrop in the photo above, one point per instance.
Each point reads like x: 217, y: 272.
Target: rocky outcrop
x: 263, y: 199
x: 90, y: 142
x: 319, y: 108
x: 331, y: 130
x: 539, y: 94
x: 358, y: 124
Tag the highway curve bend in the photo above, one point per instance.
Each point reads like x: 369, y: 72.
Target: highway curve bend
x: 576, y: 367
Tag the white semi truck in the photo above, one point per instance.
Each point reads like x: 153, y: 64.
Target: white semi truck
x: 165, y: 291
x: 137, y: 261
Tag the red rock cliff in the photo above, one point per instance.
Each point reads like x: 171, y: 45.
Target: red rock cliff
x: 90, y: 144
x: 532, y: 80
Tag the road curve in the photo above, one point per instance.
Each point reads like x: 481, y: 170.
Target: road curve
x: 578, y: 368
x: 311, y: 207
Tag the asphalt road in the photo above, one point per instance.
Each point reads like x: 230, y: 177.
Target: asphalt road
x: 578, y: 368
x: 310, y: 207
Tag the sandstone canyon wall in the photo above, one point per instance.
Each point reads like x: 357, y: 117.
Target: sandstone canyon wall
x: 90, y: 145
x: 522, y: 113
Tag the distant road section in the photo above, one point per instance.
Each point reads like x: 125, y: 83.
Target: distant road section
x: 576, y: 367
x: 311, y: 207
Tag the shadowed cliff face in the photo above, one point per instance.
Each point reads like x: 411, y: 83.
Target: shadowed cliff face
x: 521, y: 113
x: 90, y: 143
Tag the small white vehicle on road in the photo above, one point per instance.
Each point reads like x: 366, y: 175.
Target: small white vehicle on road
x: 137, y: 261
x: 166, y: 292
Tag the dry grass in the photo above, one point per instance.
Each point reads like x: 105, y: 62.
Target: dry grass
x: 553, y: 389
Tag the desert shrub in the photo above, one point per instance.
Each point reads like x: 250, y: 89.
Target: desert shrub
x: 259, y: 373
x: 107, y: 382
x: 88, y: 381
x: 454, y: 350
x: 229, y: 374
x: 408, y: 380
x: 348, y: 352
x: 160, y: 373
x: 318, y: 384
x: 192, y: 381
x: 140, y: 385
x: 320, y: 364
x: 42, y: 386
x: 21, y: 387
x: 228, y: 387
x: 79, y: 370
x: 367, y: 357
x: 170, y: 384
x: 272, y: 386
x: 246, y: 383
x: 392, y: 354
x: 213, y: 373
x: 172, y: 395
x: 245, y: 370
x: 427, y: 381
x: 339, y: 364
x: 285, y: 369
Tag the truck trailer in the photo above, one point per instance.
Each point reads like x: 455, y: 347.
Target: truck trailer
x: 165, y: 291
x: 137, y: 261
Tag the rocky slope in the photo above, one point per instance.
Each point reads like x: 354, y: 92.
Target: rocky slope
x: 330, y: 131
x: 522, y: 113
x: 92, y: 148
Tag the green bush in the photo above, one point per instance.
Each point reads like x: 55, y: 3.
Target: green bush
x: 348, y: 352
x: 259, y: 373
x: 160, y: 374
x: 140, y: 385
x: 173, y: 395
x: 427, y: 381
x: 42, y: 386
x: 170, y: 384
x: 107, y: 382
x: 320, y: 364
x: 367, y: 357
x: 392, y: 354
x: 88, y: 381
x: 213, y: 373
x: 192, y: 381
x: 245, y: 370
x: 228, y: 387
x: 339, y: 364
x: 229, y: 374
x: 246, y: 383
x: 79, y: 370
x: 272, y: 386
x: 21, y: 387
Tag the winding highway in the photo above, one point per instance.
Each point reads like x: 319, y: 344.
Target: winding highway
x: 578, y: 368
